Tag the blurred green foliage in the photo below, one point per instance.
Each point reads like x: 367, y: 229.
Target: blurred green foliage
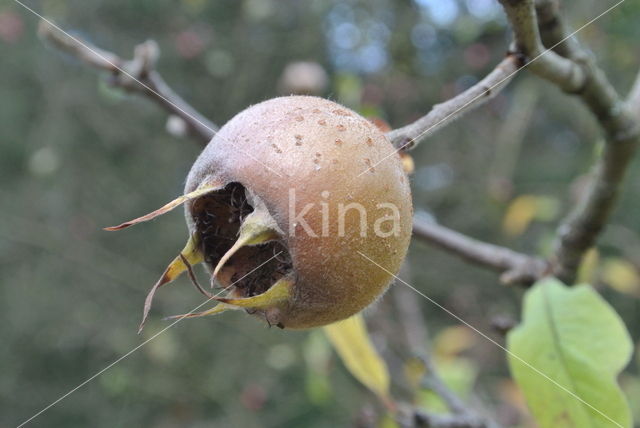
x: 76, y: 155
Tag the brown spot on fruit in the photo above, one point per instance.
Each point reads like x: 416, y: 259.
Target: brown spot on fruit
x: 369, y: 165
x: 341, y: 128
x: 338, y: 142
x: 322, y: 122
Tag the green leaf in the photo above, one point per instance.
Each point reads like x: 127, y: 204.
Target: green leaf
x: 566, y: 355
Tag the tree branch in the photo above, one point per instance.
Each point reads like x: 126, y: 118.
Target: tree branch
x: 137, y: 75
x: 553, y: 29
x: 443, y: 114
x: 577, y: 73
x: 547, y: 64
x: 516, y: 268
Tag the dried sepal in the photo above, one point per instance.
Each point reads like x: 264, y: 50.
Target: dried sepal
x: 277, y: 294
x: 202, y: 190
x: 191, y: 254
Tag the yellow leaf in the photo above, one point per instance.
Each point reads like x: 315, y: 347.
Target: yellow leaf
x: 351, y: 341
x: 519, y: 215
x: 414, y: 371
x: 451, y: 341
x: 587, y: 270
x: 622, y: 276
x: 526, y: 208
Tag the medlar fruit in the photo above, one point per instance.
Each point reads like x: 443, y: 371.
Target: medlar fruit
x: 284, y: 204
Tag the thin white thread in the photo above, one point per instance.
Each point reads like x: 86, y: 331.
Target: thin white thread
x: 139, y: 346
x: 120, y: 69
x: 493, y: 341
x: 492, y: 87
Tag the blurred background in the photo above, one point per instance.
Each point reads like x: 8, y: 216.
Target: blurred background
x: 77, y: 155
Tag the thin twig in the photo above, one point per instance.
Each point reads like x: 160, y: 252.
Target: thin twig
x: 577, y: 73
x: 410, y: 317
x: 139, y: 76
x: 516, y: 268
x: 443, y: 114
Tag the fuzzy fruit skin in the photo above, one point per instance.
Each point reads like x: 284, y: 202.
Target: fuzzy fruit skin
x: 317, y: 146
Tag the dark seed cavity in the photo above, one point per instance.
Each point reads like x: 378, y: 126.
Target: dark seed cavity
x: 217, y: 218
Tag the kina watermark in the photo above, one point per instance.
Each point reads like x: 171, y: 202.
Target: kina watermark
x: 327, y: 217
